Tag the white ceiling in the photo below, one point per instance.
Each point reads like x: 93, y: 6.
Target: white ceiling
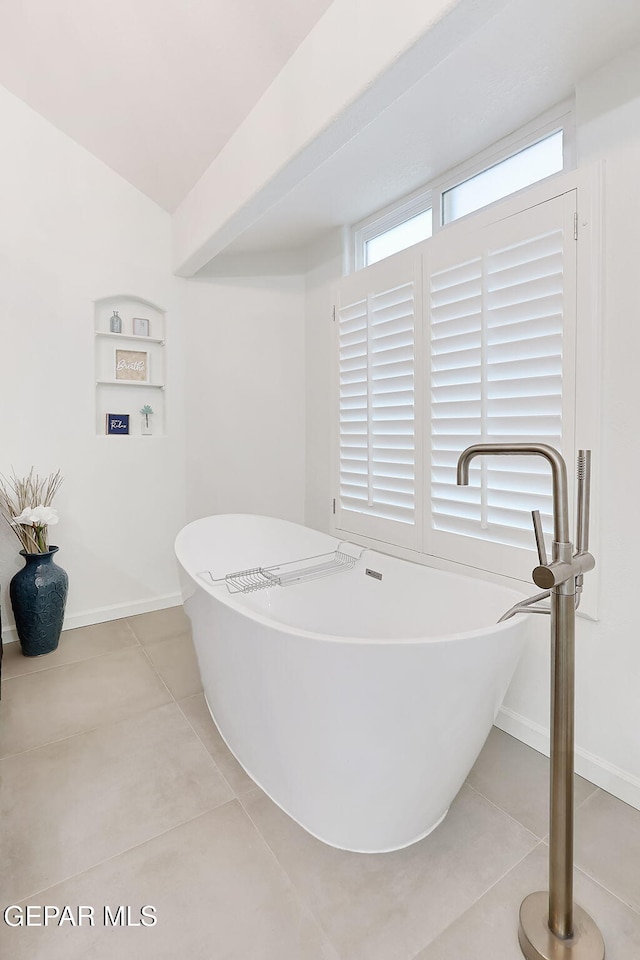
x: 154, y: 88
x: 526, y: 59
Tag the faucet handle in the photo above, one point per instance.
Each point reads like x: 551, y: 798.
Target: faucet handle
x: 539, y: 535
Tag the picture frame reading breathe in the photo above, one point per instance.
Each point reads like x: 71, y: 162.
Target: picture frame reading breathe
x: 132, y: 365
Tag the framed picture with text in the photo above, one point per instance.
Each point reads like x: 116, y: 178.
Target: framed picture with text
x: 117, y: 424
x: 132, y: 365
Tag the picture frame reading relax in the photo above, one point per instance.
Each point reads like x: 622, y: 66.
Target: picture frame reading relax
x: 117, y: 424
x: 140, y: 327
x: 132, y: 365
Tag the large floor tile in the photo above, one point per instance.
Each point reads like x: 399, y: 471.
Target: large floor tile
x: 66, y: 700
x: 489, y: 930
x: 160, y: 625
x: 79, y: 644
x: 97, y: 794
x: 388, y: 906
x: 197, y: 713
x: 608, y: 845
x: 516, y: 778
x: 218, y: 895
x: 175, y: 661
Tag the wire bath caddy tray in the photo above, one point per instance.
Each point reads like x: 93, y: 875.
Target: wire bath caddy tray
x: 289, y: 573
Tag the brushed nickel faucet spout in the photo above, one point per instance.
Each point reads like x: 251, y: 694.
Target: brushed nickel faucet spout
x: 551, y: 926
x: 558, y: 474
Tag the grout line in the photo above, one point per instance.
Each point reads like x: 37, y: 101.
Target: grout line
x: 302, y: 903
x: 599, y: 883
x: 596, y: 789
x: 300, y: 896
x: 256, y: 791
x: 79, y: 733
x: 592, y: 795
x: 211, y: 757
x: 505, y: 812
x: 545, y: 841
x: 121, y: 853
x: 133, y: 648
x: 478, y: 899
x: 611, y: 893
x: 129, y: 627
x: 157, y: 673
x: 579, y: 806
x: 178, y: 635
x: 139, y: 713
x: 70, y: 663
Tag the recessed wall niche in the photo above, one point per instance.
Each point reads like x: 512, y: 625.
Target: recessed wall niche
x: 130, y: 367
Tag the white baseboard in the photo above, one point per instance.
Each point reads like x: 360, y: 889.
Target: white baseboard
x: 619, y: 783
x: 117, y: 611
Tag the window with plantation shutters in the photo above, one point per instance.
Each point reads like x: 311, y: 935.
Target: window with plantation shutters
x: 469, y: 337
x: 376, y: 320
x: 501, y: 307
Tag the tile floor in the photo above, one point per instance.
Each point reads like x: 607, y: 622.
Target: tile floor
x: 116, y: 789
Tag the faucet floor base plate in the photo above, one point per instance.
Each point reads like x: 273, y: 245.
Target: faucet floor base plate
x: 537, y: 942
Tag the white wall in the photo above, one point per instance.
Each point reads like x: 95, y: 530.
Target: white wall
x: 608, y: 651
x: 72, y: 231
x: 245, y: 396
x: 609, y: 128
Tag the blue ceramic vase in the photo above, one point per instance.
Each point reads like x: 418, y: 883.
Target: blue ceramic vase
x: 38, y: 596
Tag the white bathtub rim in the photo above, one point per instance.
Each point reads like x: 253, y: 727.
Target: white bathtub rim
x: 316, y: 836
x: 221, y: 593
x: 374, y: 641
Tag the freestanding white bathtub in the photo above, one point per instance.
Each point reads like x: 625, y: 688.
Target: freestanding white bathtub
x: 358, y: 704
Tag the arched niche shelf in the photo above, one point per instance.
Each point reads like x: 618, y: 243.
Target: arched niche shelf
x: 130, y: 364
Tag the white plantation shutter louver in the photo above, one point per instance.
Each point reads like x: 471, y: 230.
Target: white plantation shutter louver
x: 502, y: 312
x: 377, y: 445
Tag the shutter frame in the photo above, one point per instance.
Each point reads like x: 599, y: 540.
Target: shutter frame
x: 517, y: 275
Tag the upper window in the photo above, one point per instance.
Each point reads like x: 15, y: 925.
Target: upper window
x: 528, y: 156
x: 393, y: 229
x: 398, y: 238
x: 534, y: 163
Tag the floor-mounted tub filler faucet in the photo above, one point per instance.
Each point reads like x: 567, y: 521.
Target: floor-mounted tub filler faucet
x: 551, y: 926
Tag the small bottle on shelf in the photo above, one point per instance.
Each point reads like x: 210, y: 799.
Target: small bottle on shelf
x: 115, y: 322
